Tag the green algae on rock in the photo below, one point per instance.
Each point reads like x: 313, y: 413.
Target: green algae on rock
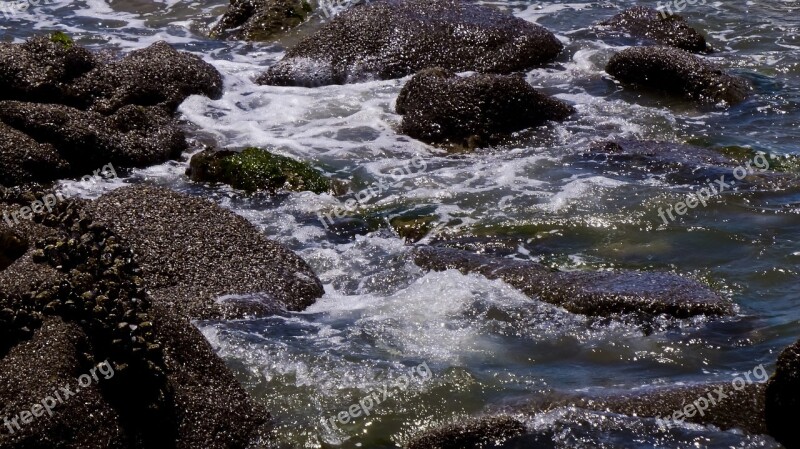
x: 254, y: 170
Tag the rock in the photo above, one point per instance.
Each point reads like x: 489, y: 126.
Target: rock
x: 41, y: 69
x: 476, y: 433
x: 783, y: 398
x: 677, y: 72
x: 395, y: 38
x: 686, y: 164
x: 662, y: 28
x: 193, y: 252
x: 254, y: 169
x: 74, y: 304
x: 154, y: 76
x: 440, y: 107
x: 589, y: 293
x: 65, y: 113
x: 72, y: 142
x: 260, y: 20
x: 412, y: 227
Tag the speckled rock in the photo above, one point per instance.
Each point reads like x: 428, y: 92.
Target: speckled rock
x: 589, y: 293
x: 71, y: 298
x: 677, y: 72
x: 394, y: 38
x: 193, y: 252
x: 440, y: 107
x: 261, y: 20
x: 664, y: 29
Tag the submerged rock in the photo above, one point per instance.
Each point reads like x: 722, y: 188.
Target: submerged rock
x: 440, y: 107
x: 677, y: 72
x: 589, y: 293
x: 476, y: 433
x: 690, y: 164
x: 65, y: 112
x: 394, y: 38
x: 665, y: 29
x: 260, y: 20
x: 254, y: 169
x: 74, y: 299
x: 192, y: 252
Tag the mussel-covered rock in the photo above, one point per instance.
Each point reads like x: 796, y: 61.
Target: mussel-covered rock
x: 589, y: 293
x: 662, y: 28
x: 677, y: 72
x: 783, y: 398
x: 476, y: 433
x: 261, y: 20
x: 440, y: 107
x: 254, y: 169
x: 193, y: 252
x: 394, y: 38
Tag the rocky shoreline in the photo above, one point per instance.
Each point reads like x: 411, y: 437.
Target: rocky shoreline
x: 121, y: 278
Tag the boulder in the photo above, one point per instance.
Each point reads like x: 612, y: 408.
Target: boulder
x: 677, y: 72
x: 441, y: 107
x: 395, y: 38
x: 64, y: 112
x: 75, y: 314
x: 193, y: 252
x: 600, y: 293
x: 260, y: 20
x: 783, y: 398
x: 254, y: 169
x: 661, y: 28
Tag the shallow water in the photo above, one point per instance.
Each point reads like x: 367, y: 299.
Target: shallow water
x: 487, y: 345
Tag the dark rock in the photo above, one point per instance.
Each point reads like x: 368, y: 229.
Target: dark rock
x: 64, y: 112
x: 663, y: 28
x: 783, y: 398
x: 254, y: 169
x: 442, y: 107
x: 133, y: 137
x: 689, y: 164
x: 394, y: 38
x: 677, y: 72
x: 476, y: 433
x: 40, y: 70
x: 192, y: 252
x: 79, y: 303
x: 589, y: 293
x: 261, y: 20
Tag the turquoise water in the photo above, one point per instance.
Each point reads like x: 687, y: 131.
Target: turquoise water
x: 488, y: 346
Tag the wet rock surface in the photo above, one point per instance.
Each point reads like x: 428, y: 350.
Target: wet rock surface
x: 260, y: 20
x: 71, y: 298
x: 664, y: 29
x: 440, y: 107
x: 783, y: 398
x: 254, y: 169
x: 589, y: 293
x: 689, y: 164
x: 395, y: 38
x: 65, y: 112
x: 193, y: 252
x: 477, y: 433
x: 677, y: 72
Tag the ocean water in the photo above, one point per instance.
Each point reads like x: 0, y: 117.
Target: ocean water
x: 489, y: 347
